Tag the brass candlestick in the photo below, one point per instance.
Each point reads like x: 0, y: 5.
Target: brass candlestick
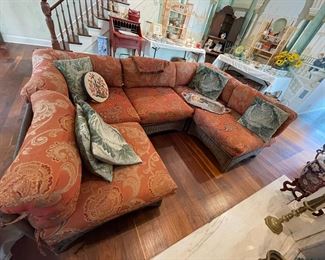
x: 275, y: 224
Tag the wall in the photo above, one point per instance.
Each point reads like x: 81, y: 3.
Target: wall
x: 22, y: 21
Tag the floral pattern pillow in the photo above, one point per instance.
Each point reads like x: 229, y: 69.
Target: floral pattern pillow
x: 83, y: 139
x: 107, y: 144
x: 208, y: 82
x: 263, y: 118
x: 73, y: 71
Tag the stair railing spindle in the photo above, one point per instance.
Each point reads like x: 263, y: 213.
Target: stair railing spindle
x: 60, y: 28
x: 97, y: 8
x: 65, y: 24
x: 102, y: 7
x: 87, y: 14
x: 81, y: 18
x: 71, y: 24
x: 92, y: 12
x: 76, y: 16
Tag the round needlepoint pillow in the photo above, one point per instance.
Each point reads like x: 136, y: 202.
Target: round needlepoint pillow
x: 96, y: 87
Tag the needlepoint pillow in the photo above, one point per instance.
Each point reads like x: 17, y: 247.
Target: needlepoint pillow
x: 73, y: 71
x: 43, y: 181
x: 208, y: 82
x: 96, y: 87
x: 95, y: 166
x: 263, y: 118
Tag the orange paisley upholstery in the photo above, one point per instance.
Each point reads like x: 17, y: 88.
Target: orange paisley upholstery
x: 225, y: 131
x: 132, y: 187
x: 133, y: 78
x: 117, y: 108
x: 158, y: 105
x: 180, y: 89
x: 185, y: 71
x: 47, y: 76
x: 44, y: 179
x: 229, y: 88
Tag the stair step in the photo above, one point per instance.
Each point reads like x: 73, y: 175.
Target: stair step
x: 102, y: 18
x: 94, y: 26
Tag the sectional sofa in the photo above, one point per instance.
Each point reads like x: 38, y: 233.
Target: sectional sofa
x: 47, y: 185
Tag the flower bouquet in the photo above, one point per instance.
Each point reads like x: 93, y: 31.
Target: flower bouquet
x: 286, y: 59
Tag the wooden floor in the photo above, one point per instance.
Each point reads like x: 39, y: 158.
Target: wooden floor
x: 203, y: 192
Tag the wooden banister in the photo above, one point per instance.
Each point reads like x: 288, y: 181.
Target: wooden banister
x: 47, y: 11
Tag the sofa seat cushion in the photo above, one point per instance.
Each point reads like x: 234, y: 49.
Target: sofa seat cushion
x: 180, y: 89
x: 158, y: 105
x: 225, y: 131
x: 117, y: 108
x: 44, y: 179
x: 132, y: 187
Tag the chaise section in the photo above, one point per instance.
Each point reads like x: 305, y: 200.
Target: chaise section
x: 225, y: 131
x: 133, y: 187
x: 158, y: 105
x: 117, y: 108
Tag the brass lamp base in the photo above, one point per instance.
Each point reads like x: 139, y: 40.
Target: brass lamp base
x: 274, y: 224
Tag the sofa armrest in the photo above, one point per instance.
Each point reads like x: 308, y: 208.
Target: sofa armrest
x: 45, y: 77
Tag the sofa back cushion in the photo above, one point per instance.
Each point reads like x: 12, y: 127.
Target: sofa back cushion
x: 47, y: 76
x: 185, y: 72
x: 242, y: 97
x: 229, y: 88
x: 44, y: 179
x: 134, y: 78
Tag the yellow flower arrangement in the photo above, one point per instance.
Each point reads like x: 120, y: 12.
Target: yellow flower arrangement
x: 285, y: 59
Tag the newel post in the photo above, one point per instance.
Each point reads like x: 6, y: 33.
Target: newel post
x: 47, y: 12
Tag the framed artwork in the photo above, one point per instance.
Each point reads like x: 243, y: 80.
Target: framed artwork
x: 156, y: 29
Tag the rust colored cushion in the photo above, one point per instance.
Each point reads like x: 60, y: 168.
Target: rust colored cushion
x: 185, y: 71
x: 229, y: 88
x: 242, y: 97
x: 117, y: 108
x: 44, y: 179
x: 158, y: 105
x: 133, y: 187
x: 225, y: 131
x: 134, y: 78
x: 46, y: 76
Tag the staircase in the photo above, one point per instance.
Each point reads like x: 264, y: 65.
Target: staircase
x: 74, y: 25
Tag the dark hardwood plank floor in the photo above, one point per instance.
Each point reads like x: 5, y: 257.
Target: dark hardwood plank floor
x: 203, y: 192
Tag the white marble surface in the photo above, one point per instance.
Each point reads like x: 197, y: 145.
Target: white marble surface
x: 239, y: 233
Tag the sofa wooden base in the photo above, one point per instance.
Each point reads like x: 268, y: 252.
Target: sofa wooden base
x: 226, y: 161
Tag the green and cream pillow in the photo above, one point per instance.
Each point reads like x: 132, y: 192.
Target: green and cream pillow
x: 73, y: 71
x: 95, y: 166
x: 107, y: 144
x: 263, y: 118
x: 208, y: 82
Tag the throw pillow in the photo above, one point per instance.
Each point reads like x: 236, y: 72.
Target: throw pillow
x: 263, y: 118
x: 83, y: 139
x: 73, y: 71
x: 107, y: 144
x: 96, y: 87
x: 208, y: 82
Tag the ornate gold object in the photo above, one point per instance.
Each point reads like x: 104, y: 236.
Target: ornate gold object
x: 275, y: 224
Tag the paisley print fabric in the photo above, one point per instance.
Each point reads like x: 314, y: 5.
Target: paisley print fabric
x: 133, y: 78
x: 117, y: 108
x: 107, y: 144
x: 227, y: 133
x: 47, y: 76
x: 208, y: 82
x: 132, y: 187
x: 74, y: 71
x: 95, y: 166
x: 263, y: 118
x: 44, y: 179
x: 158, y: 105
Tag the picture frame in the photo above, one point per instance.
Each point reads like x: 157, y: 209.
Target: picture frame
x: 157, y: 29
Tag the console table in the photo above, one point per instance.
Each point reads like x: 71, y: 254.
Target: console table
x: 274, y: 81
x: 155, y: 45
